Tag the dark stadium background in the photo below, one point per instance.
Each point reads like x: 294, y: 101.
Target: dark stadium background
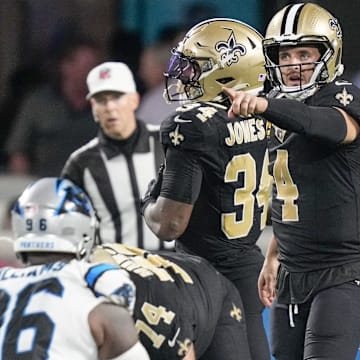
x: 29, y: 29
x: 27, y: 26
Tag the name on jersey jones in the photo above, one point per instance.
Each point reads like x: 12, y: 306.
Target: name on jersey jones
x: 245, y: 131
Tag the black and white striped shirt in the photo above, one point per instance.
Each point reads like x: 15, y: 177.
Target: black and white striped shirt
x: 115, y: 175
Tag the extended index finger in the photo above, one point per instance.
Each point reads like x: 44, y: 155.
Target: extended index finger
x: 229, y: 92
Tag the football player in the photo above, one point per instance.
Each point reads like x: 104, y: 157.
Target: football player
x: 58, y: 306
x: 212, y: 195
x: 315, y: 161
x: 184, y: 308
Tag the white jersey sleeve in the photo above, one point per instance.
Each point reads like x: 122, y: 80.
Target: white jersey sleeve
x: 44, y: 309
x: 112, y: 282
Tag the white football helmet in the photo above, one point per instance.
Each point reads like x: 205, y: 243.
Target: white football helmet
x: 53, y: 215
x: 304, y: 25
x: 215, y: 53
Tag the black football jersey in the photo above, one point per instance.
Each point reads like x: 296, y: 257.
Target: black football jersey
x: 180, y: 299
x: 230, y: 206
x: 316, y: 202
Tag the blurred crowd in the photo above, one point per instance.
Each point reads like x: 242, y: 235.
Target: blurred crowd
x: 47, y: 103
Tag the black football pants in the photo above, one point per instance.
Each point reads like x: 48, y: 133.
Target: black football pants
x: 247, y: 286
x: 327, y: 327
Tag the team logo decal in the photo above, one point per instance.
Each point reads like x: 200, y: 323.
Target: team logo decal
x: 236, y: 313
x: 334, y: 25
x: 30, y: 210
x: 176, y: 137
x: 342, y: 82
x: 171, y: 342
x: 230, y: 50
x: 344, y: 97
x: 279, y: 133
x: 104, y: 74
x: 184, y: 347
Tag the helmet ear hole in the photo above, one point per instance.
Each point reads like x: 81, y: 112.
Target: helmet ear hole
x: 224, y: 81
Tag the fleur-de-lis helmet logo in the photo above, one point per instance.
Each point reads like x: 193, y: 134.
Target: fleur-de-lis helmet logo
x: 230, y: 50
x: 334, y: 25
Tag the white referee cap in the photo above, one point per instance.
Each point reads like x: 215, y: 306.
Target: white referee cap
x: 110, y: 76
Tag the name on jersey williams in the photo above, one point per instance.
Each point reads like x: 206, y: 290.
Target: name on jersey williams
x: 10, y: 273
x: 245, y: 131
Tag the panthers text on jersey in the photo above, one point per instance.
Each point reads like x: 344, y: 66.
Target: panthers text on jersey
x: 181, y: 299
x: 230, y: 206
x: 316, y: 202
x: 44, y: 309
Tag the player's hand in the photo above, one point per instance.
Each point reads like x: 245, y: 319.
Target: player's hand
x: 267, y: 281
x: 153, y: 190
x: 244, y: 104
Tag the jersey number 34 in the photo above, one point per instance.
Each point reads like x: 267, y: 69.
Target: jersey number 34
x: 247, y: 196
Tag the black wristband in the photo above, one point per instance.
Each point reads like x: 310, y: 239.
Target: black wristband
x: 324, y: 123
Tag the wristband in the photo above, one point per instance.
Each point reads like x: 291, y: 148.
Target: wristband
x: 153, y: 190
x: 150, y: 196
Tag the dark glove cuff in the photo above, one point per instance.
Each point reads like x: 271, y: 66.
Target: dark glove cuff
x: 145, y: 202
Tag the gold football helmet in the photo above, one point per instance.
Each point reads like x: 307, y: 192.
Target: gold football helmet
x: 304, y: 25
x: 215, y: 53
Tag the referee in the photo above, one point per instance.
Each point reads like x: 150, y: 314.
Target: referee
x: 116, y: 166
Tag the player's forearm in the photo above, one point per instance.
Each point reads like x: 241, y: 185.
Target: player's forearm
x: 165, y: 219
x: 272, y: 250
x: 325, y: 123
x: 151, y: 216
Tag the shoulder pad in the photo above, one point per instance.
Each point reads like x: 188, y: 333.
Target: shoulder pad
x: 192, y: 126
x: 341, y: 94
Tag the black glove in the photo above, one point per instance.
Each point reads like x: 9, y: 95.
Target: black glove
x: 153, y: 190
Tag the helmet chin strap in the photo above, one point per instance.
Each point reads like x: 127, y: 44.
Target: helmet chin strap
x: 302, y: 94
x: 81, y: 248
x: 339, y: 70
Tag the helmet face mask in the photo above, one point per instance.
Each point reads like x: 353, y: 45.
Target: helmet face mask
x: 319, y: 77
x: 182, y: 77
x: 54, y: 216
x: 215, y: 53
x: 304, y: 25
